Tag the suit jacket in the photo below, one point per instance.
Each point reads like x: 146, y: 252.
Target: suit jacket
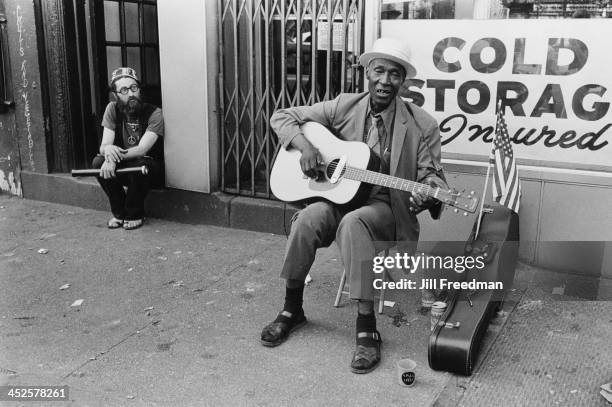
x: 415, y: 147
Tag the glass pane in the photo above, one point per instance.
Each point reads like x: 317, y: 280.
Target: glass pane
x: 113, y: 60
x: 131, y: 22
x: 133, y: 59
x: 111, y: 20
x: 494, y: 9
x: 151, y: 66
x: 150, y: 24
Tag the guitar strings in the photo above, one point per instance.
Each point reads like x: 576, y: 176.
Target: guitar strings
x: 373, y: 175
x: 427, y: 189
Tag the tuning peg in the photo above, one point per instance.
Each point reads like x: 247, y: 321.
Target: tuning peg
x: 472, y: 192
x: 456, y: 210
x: 464, y: 213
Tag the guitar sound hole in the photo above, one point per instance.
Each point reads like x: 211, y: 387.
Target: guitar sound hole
x: 331, y: 167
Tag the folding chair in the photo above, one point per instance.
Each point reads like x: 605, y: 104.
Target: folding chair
x: 381, y: 297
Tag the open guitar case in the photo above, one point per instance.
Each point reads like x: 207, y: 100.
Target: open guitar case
x: 456, y: 339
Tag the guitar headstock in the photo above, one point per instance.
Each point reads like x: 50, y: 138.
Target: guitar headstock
x: 460, y: 200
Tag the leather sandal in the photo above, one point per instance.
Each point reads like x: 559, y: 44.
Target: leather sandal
x: 366, y: 358
x: 132, y: 224
x: 278, y: 331
x: 114, y: 223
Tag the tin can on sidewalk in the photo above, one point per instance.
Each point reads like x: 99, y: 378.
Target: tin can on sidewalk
x: 437, y: 309
x: 428, y: 297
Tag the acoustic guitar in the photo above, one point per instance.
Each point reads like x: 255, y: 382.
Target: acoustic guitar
x: 343, y: 171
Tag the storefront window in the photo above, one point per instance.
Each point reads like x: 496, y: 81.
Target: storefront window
x: 494, y: 9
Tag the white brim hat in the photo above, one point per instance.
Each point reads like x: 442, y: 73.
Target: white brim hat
x: 393, y: 50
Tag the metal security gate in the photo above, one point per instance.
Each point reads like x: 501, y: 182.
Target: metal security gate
x: 276, y: 54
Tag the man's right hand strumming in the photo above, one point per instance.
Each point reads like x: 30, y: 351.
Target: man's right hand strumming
x: 310, y: 159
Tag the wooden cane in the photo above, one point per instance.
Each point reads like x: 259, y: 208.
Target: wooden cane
x: 89, y: 173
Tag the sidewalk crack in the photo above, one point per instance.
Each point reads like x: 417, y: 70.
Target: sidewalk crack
x: 108, y: 350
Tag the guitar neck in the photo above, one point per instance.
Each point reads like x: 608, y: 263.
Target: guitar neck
x: 376, y: 178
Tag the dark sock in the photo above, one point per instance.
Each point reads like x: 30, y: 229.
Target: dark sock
x: 366, y: 323
x: 293, y: 302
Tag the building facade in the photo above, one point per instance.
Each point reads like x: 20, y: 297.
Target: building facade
x: 219, y: 69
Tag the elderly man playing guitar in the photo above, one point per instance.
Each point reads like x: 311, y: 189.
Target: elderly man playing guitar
x: 406, y: 141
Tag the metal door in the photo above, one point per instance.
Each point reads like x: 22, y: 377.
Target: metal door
x: 276, y: 54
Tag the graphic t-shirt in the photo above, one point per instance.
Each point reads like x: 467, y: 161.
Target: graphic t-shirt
x: 131, y: 128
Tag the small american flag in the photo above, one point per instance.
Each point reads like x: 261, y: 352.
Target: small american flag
x: 506, y: 183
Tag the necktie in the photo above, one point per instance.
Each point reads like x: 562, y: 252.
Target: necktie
x: 374, y: 135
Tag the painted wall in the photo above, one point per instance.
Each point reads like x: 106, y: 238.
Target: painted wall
x: 565, y: 215
x: 187, y: 49
x: 565, y: 220
x: 10, y: 169
x: 26, y: 84
x: 22, y: 143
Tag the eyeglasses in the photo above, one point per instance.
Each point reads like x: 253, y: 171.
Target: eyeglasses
x: 134, y: 88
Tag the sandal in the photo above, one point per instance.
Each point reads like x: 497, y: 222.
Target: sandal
x: 114, y: 223
x: 366, y: 358
x: 132, y: 224
x: 278, y: 331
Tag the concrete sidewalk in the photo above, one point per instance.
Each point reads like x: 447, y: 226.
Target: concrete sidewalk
x: 172, y: 315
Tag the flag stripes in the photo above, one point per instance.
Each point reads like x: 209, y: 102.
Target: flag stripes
x: 506, y: 182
